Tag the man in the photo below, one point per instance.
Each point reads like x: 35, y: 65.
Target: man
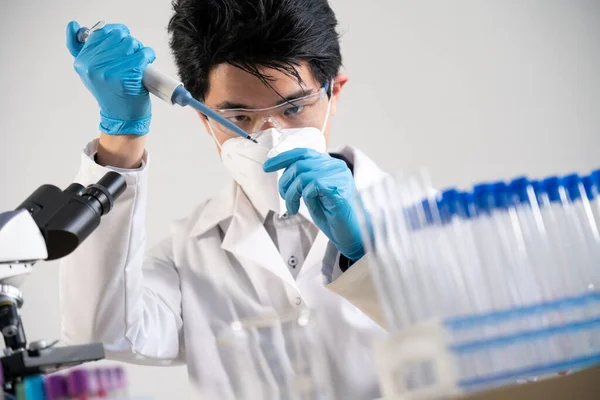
x: 284, y: 236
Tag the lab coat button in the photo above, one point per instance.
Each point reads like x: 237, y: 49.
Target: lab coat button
x: 298, y: 301
x: 292, y: 262
x: 285, y: 215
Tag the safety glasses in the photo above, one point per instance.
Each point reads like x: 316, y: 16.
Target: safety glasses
x: 306, y: 111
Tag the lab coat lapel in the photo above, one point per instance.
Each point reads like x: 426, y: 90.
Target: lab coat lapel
x: 314, y: 260
x: 247, y: 238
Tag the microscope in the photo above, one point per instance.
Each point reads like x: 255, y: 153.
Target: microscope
x: 48, y: 225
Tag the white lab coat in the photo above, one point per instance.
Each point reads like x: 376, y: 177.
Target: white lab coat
x: 218, y: 265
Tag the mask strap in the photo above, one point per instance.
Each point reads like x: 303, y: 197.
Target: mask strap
x: 328, y: 109
x: 213, y: 135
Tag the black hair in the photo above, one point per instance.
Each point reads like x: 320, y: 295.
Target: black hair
x: 253, y: 34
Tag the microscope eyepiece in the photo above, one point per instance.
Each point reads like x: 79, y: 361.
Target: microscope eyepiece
x: 111, y: 186
x: 67, y: 217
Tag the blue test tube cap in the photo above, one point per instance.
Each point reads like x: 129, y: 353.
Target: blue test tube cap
x: 595, y: 178
x: 467, y: 204
x: 538, y: 189
x: 537, y: 186
x: 551, y: 186
x: 442, y: 209
x: 571, y: 184
x: 500, y: 195
x: 588, y: 186
x: 483, y: 197
x: 518, y: 189
x: 449, y: 204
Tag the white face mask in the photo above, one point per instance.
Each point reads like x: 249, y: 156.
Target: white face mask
x: 244, y: 160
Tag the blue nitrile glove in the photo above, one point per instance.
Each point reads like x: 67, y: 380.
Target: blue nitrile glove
x: 111, y: 65
x: 327, y: 187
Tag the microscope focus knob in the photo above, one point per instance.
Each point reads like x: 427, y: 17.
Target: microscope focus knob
x: 38, y: 345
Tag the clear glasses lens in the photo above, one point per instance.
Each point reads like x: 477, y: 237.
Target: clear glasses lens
x: 307, y: 111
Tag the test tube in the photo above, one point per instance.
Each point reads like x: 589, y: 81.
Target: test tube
x: 437, y: 263
x: 552, y: 273
x: 120, y: 382
x: 389, y: 263
x: 594, y: 188
x: 490, y: 240
x: 583, y: 221
x: 34, y: 387
x: 527, y: 219
x: 102, y: 380
x: 505, y: 209
x: 56, y: 387
x: 588, y: 185
x: 548, y: 259
x: 457, y: 216
x: 79, y: 385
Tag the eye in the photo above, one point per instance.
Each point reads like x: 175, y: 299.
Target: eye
x: 238, y: 119
x: 293, y: 111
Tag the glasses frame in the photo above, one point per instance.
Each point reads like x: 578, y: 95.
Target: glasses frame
x: 322, y: 92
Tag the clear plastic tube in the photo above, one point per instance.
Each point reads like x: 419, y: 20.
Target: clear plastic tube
x: 455, y: 214
x: 437, y: 262
x: 489, y: 237
x: 593, y: 189
x: 583, y: 222
x: 390, y: 263
x: 562, y: 237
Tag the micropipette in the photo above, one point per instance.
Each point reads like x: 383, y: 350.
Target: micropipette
x: 170, y: 89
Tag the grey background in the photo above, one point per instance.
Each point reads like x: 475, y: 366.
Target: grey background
x: 472, y: 90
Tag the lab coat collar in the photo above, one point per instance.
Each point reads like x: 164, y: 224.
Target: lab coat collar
x: 303, y: 211
x: 223, y: 205
x: 216, y: 210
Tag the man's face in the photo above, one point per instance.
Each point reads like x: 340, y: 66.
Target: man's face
x: 231, y: 87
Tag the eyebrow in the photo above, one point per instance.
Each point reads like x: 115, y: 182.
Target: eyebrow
x: 228, y: 105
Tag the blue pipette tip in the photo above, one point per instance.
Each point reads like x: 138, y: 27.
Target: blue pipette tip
x: 184, y: 98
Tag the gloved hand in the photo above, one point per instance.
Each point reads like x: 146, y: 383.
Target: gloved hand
x: 111, y: 64
x: 327, y: 187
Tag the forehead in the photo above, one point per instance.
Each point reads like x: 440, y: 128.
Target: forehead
x: 231, y: 84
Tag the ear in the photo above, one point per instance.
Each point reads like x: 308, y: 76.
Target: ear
x: 338, y: 84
